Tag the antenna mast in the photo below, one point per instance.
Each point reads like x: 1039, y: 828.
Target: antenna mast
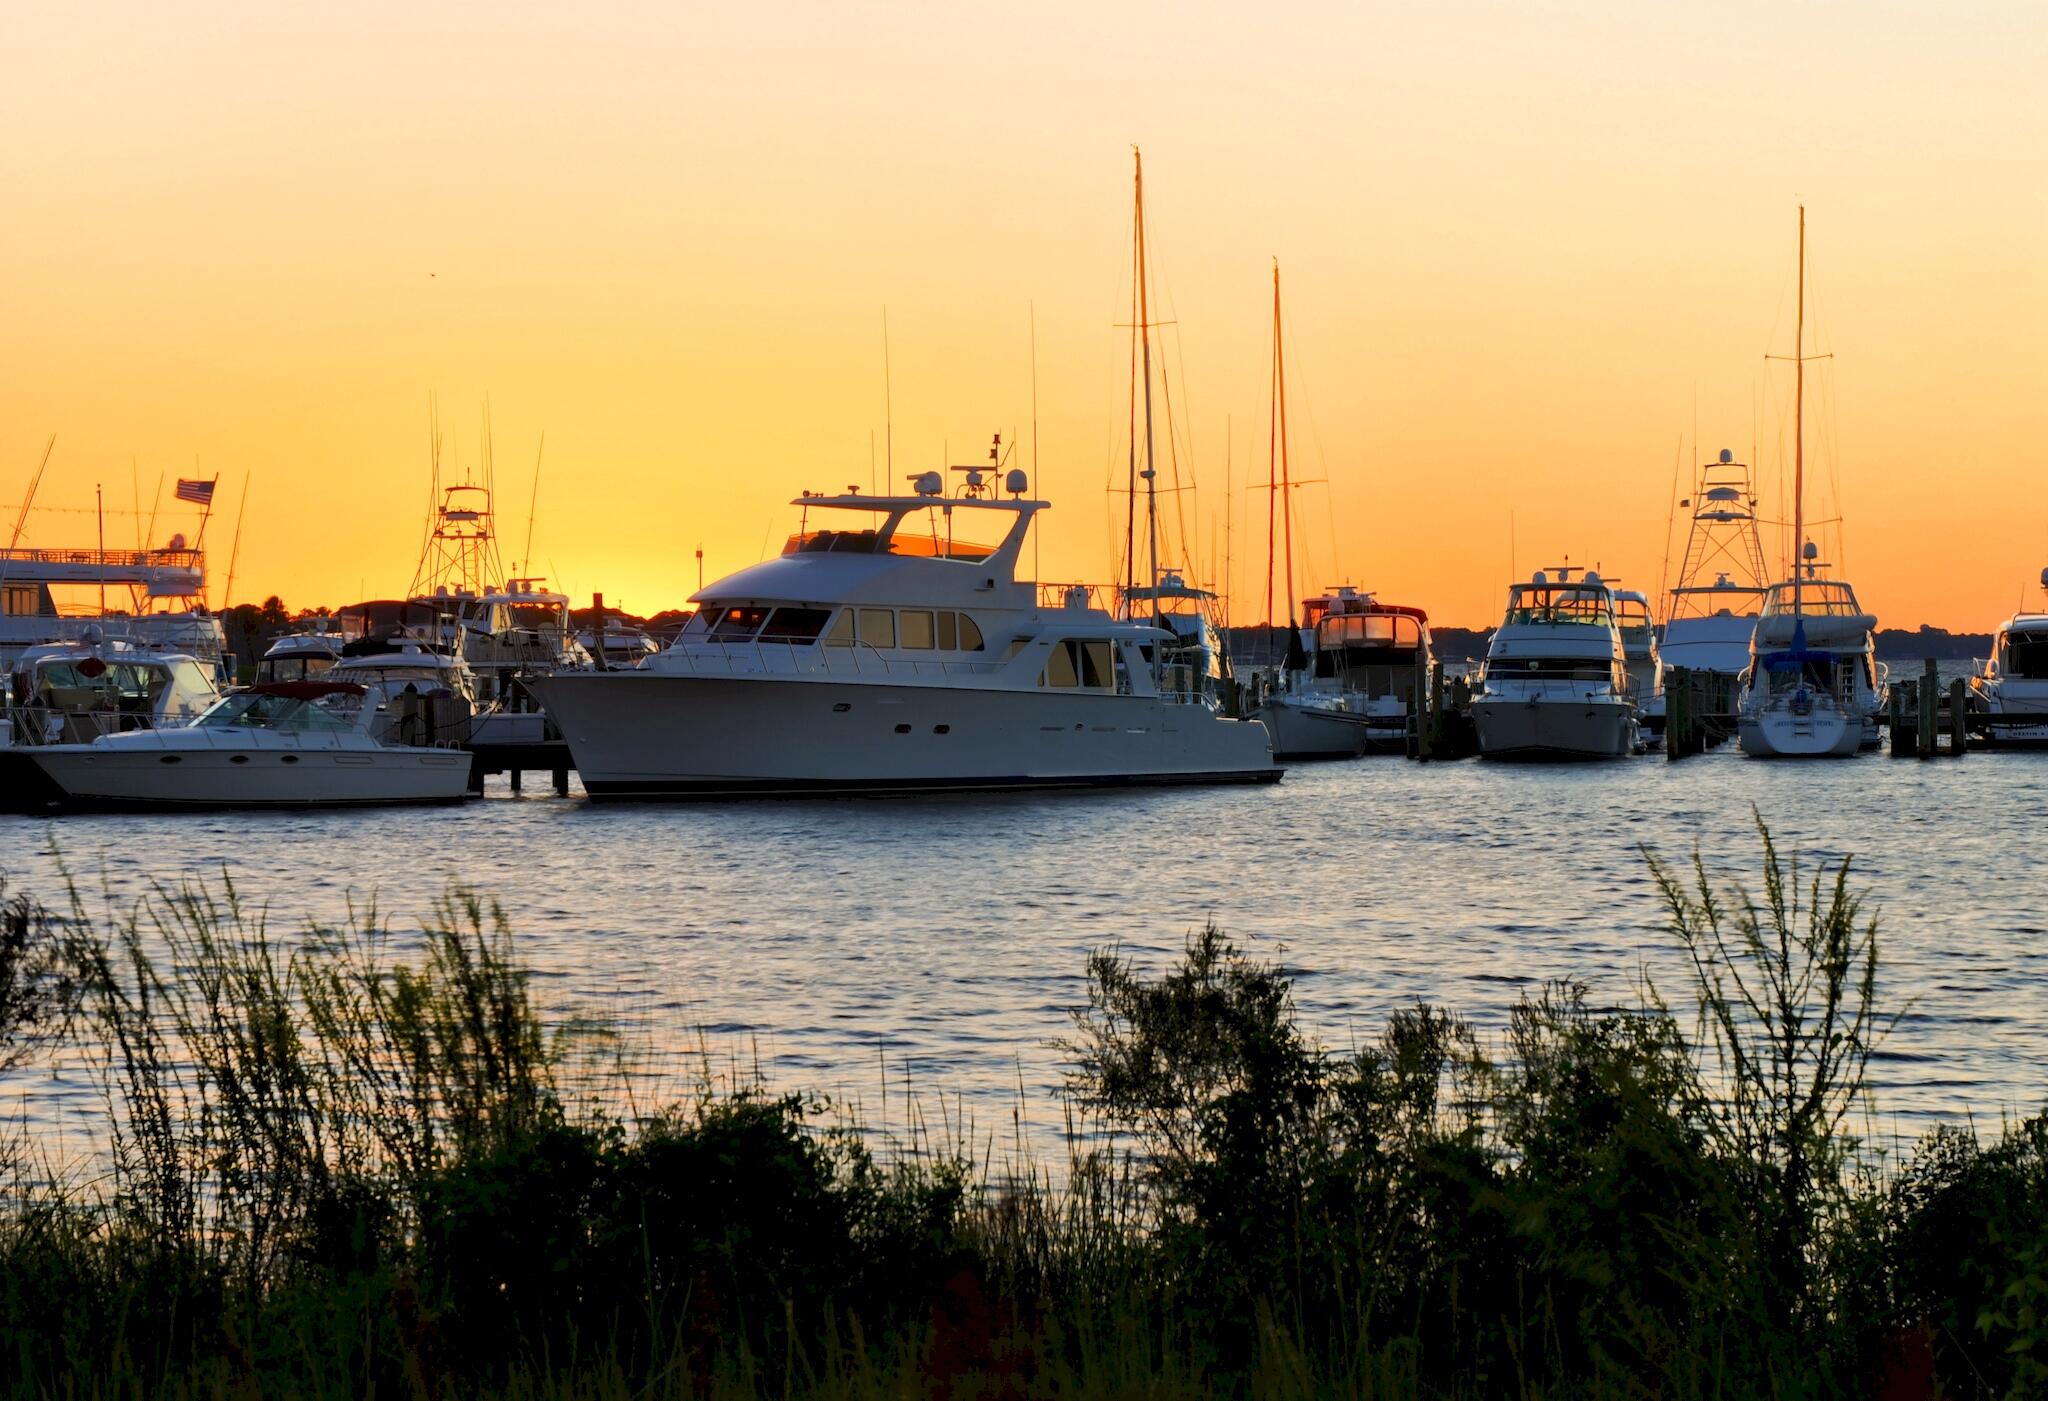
x: 1279, y: 480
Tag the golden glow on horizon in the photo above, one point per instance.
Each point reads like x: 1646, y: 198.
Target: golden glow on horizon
x: 1519, y: 244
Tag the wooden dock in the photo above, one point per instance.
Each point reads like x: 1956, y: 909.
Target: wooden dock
x: 549, y: 756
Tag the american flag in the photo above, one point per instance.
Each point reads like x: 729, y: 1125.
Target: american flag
x: 200, y: 492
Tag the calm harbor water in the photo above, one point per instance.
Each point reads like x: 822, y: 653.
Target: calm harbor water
x: 946, y: 937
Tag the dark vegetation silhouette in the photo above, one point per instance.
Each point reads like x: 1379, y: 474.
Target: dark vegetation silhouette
x: 339, y: 1171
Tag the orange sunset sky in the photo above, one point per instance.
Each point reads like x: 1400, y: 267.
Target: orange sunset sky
x: 1524, y: 247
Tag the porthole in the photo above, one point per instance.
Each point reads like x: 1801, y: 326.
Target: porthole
x: 171, y: 759
x: 903, y: 729
x: 291, y: 758
x: 842, y: 707
x: 942, y: 729
x: 238, y: 758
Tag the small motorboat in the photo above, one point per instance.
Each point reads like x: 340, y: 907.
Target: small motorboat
x: 287, y: 744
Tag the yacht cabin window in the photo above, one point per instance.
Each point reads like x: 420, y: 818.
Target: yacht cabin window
x: 1550, y: 668
x: 20, y: 600
x: 970, y: 635
x: 795, y: 625
x: 736, y: 623
x: 949, y: 632
x: 841, y: 631
x: 878, y: 627
x: 919, y: 629
x: 1089, y: 665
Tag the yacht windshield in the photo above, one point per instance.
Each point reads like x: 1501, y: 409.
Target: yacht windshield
x: 1818, y: 598
x: 2026, y: 655
x: 270, y: 710
x: 1552, y: 604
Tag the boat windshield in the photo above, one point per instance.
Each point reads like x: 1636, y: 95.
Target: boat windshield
x: 2026, y: 655
x: 1818, y: 598
x: 1555, y: 604
x: 92, y: 682
x: 267, y: 710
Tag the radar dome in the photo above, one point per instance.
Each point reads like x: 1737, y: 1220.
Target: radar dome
x: 1016, y: 482
x: 1541, y: 578
x: 1811, y: 552
x: 2044, y: 578
x: 928, y: 484
x: 1727, y: 456
x: 1592, y: 577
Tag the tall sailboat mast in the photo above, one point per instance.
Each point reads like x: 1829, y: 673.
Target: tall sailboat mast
x: 1799, y: 427
x: 1279, y: 481
x: 1145, y: 344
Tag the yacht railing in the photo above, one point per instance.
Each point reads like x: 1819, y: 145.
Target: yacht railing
x: 43, y: 724
x: 708, y: 656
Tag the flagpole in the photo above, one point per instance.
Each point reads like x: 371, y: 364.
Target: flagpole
x: 100, y: 505
x: 200, y: 542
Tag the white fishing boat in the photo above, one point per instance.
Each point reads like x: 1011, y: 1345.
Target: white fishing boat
x: 1640, y: 654
x: 1813, y: 688
x: 287, y: 744
x: 890, y: 654
x: 1710, y: 613
x: 2011, y: 692
x: 1357, y: 682
x: 1555, y: 681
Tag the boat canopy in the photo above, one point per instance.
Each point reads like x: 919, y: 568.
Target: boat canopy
x: 1816, y: 598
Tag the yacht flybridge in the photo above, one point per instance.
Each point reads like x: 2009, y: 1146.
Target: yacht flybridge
x: 1555, y: 684
x: 884, y: 651
x: 2012, y: 691
x: 1813, y: 688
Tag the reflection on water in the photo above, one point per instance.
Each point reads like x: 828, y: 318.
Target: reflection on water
x: 948, y: 934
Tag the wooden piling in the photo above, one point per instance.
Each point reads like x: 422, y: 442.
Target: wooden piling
x: 561, y: 783
x: 1958, y: 717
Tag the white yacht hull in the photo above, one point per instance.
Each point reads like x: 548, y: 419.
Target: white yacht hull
x: 1512, y: 727
x: 97, y: 776
x: 1778, y: 733
x: 639, y: 734
x: 1303, y: 730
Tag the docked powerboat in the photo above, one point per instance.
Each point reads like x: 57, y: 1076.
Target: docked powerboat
x: 1813, y: 688
x: 2011, y: 692
x: 1358, y: 681
x: 1639, y: 652
x: 890, y: 654
x: 286, y: 744
x: 73, y: 693
x: 1555, y: 681
x: 1710, y: 615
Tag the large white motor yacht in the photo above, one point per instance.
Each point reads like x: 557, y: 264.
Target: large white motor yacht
x: 1555, y: 682
x: 895, y: 655
x: 281, y: 744
x: 2011, y: 691
x: 1813, y: 688
x: 1357, y: 683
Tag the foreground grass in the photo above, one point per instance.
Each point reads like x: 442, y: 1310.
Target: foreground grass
x: 338, y: 1175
